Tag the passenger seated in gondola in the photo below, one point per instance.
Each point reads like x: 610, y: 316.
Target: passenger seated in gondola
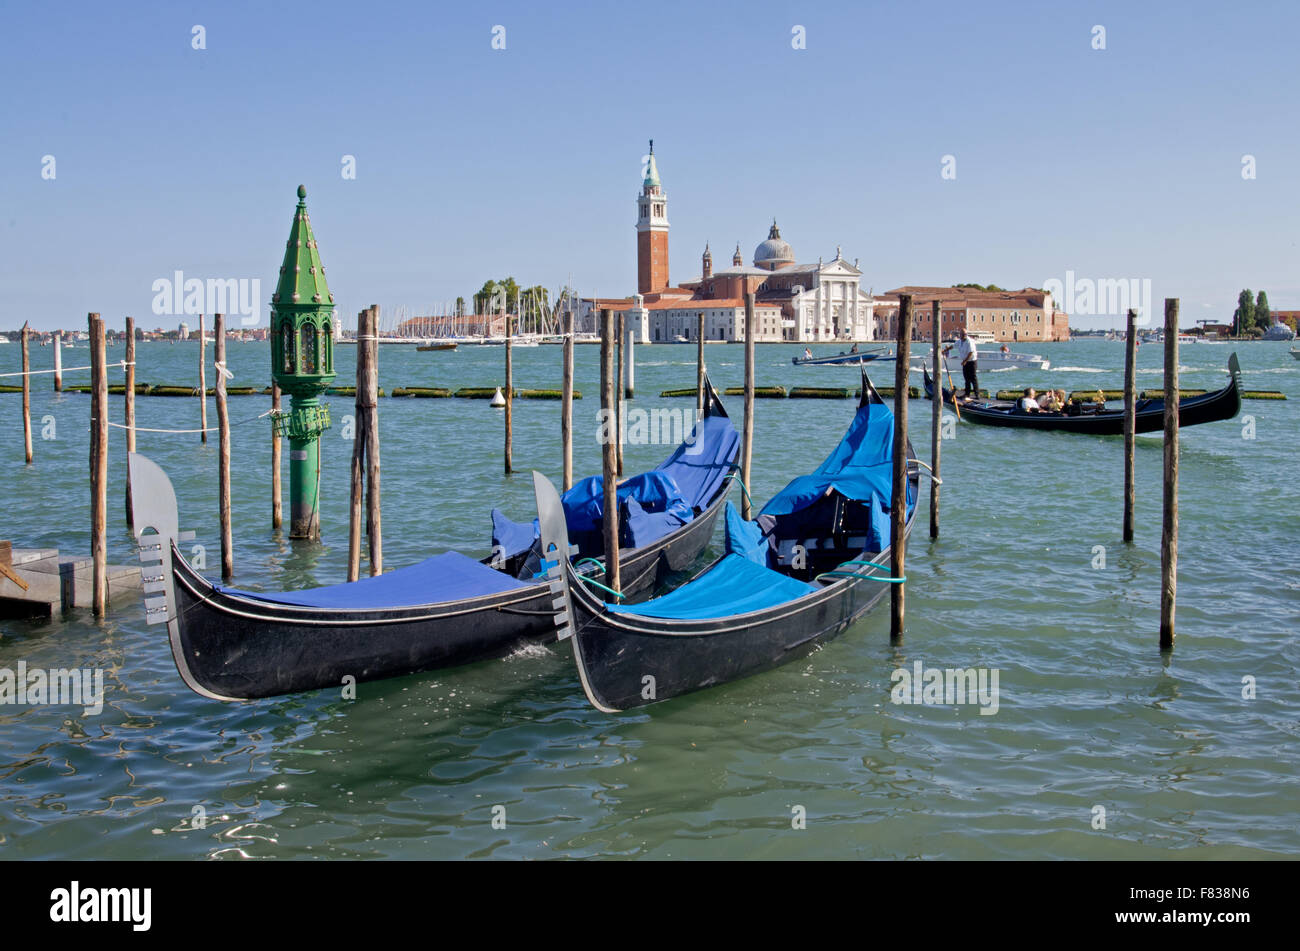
x: 1053, y: 401
x: 1027, y: 403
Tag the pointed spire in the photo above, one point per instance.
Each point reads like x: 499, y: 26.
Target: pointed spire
x: 774, y: 231
x: 652, y: 170
x: 302, y: 276
x: 736, y: 259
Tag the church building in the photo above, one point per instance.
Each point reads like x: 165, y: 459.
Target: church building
x: 793, y: 302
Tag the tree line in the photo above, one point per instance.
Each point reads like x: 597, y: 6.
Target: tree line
x: 1252, y: 314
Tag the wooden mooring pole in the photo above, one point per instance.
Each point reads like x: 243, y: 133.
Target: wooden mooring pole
x: 747, y: 428
x: 510, y: 400
x: 58, y: 361
x: 27, y: 396
x: 374, y: 532
x: 898, y: 500
x: 203, y: 384
x: 365, y: 338
x: 936, y: 411
x: 223, y: 443
x: 618, y: 392
x: 1169, y: 532
x: 699, y: 365
x: 128, y: 395
x: 98, y: 467
x: 1130, y: 422
x: 609, y: 459
x: 566, y: 405
x: 277, y: 508
x: 629, y: 340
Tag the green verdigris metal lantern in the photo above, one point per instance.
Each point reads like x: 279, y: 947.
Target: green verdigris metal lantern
x: 302, y: 363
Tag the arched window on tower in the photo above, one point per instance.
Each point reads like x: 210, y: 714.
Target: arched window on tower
x: 307, y: 342
x: 327, y: 349
x: 287, y: 348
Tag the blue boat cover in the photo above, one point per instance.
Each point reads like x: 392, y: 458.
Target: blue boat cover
x: 734, y: 585
x: 666, y: 498
x: 450, y: 576
x: 744, y: 538
x: 860, y: 466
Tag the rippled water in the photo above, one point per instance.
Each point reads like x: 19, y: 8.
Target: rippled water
x: 1090, y: 712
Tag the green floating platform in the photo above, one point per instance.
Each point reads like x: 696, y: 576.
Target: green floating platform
x: 821, y: 392
x: 426, y: 392
x: 760, y: 392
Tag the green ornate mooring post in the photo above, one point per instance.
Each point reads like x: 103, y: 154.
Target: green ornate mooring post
x: 302, y: 362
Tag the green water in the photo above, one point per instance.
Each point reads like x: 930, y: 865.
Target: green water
x: 1090, y: 712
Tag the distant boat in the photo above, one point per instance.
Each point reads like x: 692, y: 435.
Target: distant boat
x: 844, y: 359
x: 449, y: 345
x: 1295, y: 353
x: 992, y: 360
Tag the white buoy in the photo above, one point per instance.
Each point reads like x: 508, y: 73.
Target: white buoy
x: 498, y: 400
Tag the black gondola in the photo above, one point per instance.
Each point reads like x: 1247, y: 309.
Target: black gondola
x: 445, y: 611
x: 813, y: 562
x: 1150, y: 413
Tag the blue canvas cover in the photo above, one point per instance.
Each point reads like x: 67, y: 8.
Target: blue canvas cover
x: 450, y: 576
x: 735, y: 585
x: 744, y: 538
x: 700, y: 467
x: 687, y: 480
x: 860, y: 466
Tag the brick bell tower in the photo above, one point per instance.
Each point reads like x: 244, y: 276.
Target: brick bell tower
x: 651, y: 232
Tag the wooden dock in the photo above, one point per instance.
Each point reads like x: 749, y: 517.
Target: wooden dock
x: 41, y: 582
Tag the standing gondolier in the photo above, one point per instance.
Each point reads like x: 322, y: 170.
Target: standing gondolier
x: 969, y: 357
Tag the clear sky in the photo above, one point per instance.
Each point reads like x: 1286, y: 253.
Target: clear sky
x: 475, y: 163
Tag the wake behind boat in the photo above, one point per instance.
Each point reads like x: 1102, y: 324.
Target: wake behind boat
x: 1099, y: 421
x: 814, y: 561
x: 233, y: 644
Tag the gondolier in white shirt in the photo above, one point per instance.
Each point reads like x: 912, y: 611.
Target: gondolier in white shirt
x: 969, y: 357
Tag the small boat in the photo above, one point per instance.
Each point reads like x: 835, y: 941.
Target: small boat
x: 232, y: 644
x: 814, y: 561
x: 448, y: 345
x: 991, y: 360
x: 843, y: 358
x: 1295, y: 353
x: 1096, y: 420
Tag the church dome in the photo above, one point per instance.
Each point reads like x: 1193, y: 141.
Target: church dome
x: 774, y: 251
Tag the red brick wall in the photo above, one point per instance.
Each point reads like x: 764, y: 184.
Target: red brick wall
x: 651, y: 261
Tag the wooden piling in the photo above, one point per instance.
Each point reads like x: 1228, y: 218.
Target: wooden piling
x: 510, y: 400
x: 203, y: 385
x: 699, y: 365
x: 609, y: 459
x: 1130, y: 422
x: 566, y: 406
x: 936, y: 412
x: 618, y: 392
x: 58, y: 361
x: 277, y: 509
x: 1169, y: 532
x: 128, y: 395
x: 374, y: 531
x: 98, y: 467
x: 365, y: 334
x: 223, y: 443
x: 24, y: 335
x: 747, y: 428
x: 629, y: 339
x: 898, y: 500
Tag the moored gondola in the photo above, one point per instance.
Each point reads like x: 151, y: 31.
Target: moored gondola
x: 232, y: 644
x: 813, y: 562
x: 1149, y: 413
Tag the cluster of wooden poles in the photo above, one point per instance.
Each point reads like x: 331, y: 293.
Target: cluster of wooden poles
x: 615, y: 387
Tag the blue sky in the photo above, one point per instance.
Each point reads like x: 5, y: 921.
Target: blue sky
x: 474, y: 163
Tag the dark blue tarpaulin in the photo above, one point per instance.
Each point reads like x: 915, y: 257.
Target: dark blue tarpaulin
x: 450, y: 576
x: 860, y: 466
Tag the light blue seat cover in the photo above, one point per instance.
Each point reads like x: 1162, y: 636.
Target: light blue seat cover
x: 735, y: 585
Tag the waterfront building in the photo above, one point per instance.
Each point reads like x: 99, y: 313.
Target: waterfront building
x: 1028, y: 314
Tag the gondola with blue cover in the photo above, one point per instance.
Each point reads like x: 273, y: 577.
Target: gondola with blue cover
x: 450, y: 609
x: 812, y: 563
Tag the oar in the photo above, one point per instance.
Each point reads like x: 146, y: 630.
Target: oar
x: 952, y: 386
